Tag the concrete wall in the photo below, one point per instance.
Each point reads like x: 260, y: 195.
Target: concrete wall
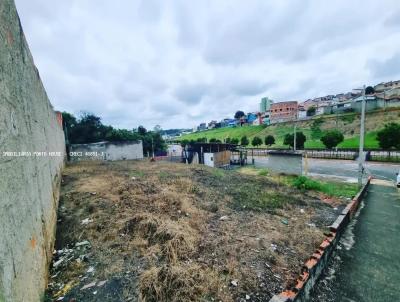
x: 107, y: 151
x: 285, y: 162
x: 29, y: 182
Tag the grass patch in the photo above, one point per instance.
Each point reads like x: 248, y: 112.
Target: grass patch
x: 330, y: 188
x: 250, y: 197
x: 263, y: 172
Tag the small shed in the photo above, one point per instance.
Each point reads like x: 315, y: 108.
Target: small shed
x: 211, y: 154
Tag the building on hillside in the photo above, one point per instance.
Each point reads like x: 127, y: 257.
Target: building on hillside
x: 212, y: 125
x: 251, y: 117
x: 202, y: 126
x: 283, y: 112
x: 265, y: 104
x: 387, y: 86
x: 301, y: 112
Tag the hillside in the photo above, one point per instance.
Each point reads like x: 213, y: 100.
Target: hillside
x: 348, y: 123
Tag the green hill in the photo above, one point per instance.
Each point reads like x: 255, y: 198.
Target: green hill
x: 348, y: 124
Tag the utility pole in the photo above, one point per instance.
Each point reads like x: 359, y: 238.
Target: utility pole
x: 361, y: 147
x: 152, y: 145
x: 294, y: 129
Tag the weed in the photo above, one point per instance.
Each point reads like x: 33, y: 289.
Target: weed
x: 332, y: 188
x: 263, y: 172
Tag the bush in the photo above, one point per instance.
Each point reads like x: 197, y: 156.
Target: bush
x: 234, y: 141
x: 256, y: 141
x: 244, y: 141
x: 389, y: 136
x: 304, y: 183
x: 332, y: 138
x: 300, y: 140
x: 269, y: 140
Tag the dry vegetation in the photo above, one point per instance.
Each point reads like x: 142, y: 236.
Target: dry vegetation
x: 172, y: 232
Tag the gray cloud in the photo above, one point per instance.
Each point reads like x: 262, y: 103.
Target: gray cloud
x: 178, y: 63
x: 386, y: 68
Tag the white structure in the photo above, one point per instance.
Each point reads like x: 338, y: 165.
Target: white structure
x: 107, y: 151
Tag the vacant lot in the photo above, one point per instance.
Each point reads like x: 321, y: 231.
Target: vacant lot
x: 157, y: 231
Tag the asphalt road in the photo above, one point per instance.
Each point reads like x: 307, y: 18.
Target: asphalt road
x: 342, y: 169
x: 366, y: 267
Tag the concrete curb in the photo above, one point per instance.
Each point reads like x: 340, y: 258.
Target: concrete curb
x: 314, y: 266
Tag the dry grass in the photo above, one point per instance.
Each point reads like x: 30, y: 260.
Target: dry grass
x: 159, y: 223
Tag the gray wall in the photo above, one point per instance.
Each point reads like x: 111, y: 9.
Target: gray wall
x: 107, y: 151
x: 282, y: 162
x: 29, y: 184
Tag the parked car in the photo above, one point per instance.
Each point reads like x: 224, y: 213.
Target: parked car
x: 398, y: 180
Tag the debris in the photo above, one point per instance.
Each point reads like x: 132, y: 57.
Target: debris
x: 133, y: 178
x: 87, y: 221
x: 89, y: 285
x: 95, y: 292
x: 335, y: 209
x: 285, y: 221
x: 302, y: 211
x: 223, y: 218
x: 90, y: 270
x: 85, y: 242
x: 61, y: 298
x: 93, y: 193
x: 274, y: 247
x: 101, y: 283
x: 58, y: 262
x: 234, y: 282
x: 311, y: 225
x: 247, y: 297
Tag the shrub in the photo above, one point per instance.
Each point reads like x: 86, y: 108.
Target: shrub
x: 235, y: 141
x: 300, y: 140
x: 332, y: 138
x: 269, y: 140
x: 244, y: 141
x: 389, y: 136
x: 256, y: 141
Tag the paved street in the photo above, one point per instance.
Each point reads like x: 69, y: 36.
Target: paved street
x: 343, y: 169
x: 366, y: 267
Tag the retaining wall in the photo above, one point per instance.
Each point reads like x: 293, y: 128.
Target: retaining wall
x: 29, y: 181
x: 319, y: 260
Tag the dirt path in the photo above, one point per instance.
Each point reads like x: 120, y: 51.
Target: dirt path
x: 141, y: 231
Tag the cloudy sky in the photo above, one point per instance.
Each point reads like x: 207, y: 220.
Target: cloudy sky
x: 178, y: 63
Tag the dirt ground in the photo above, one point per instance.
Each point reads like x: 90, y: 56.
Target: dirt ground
x: 159, y: 231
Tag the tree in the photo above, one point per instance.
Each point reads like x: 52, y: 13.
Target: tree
x: 239, y: 114
x: 228, y: 140
x: 142, y: 130
x: 213, y: 140
x: 311, y: 111
x: 269, y: 140
x: 256, y: 141
x: 389, y: 136
x: 300, y: 140
x: 332, y: 138
x: 244, y: 141
x: 234, y: 141
x: 202, y: 140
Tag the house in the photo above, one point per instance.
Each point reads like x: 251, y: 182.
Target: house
x: 387, y: 86
x: 265, y: 104
x: 251, y: 117
x: 215, y: 155
x: 212, y: 124
x: 283, y: 111
x: 202, y: 126
x: 301, y: 112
